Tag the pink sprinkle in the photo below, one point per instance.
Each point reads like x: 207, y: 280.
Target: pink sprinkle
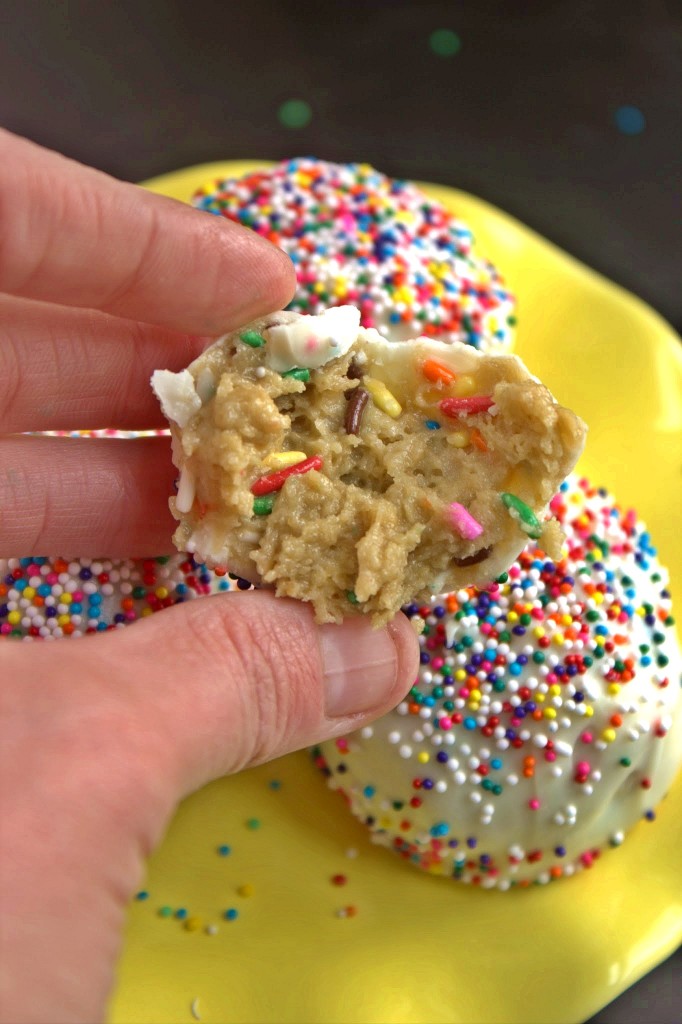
x: 534, y: 804
x: 587, y: 737
x: 583, y: 768
x: 463, y: 522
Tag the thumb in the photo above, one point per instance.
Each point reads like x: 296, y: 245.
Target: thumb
x: 237, y: 679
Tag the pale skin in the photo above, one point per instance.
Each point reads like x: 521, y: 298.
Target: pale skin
x: 100, y: 284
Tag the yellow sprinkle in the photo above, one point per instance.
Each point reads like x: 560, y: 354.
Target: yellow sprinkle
x: 614, y: 688
x: 566, y: 620
x: 460, y: 675
x: 385, y: 822
x: 540, y: 698
x: 280, y: 460
x: 609, y: 735
x: 549, y: 712
x: 65, y: 599
x: 589, y: 710
x: 382, y: 397
x: 161, y: 592
x: 246, y: 890
x: 404, y: 294
x: 555, y: 690
x: 146, y: 612
x: 475, y: 695
x: 61, y: 619
x: 538, y: 632
x: 641, y: 612
x: 15, y: 617
x: 598, y: 598
x: 193, y: 924
x: 512, y: 617
x: 463, y: 386
x: 558, y: 639
x: 28, y: 592
x: 458, y: 438
x: 600, y: 640
x: 474, y: 705
x: 423, y: 757
x: 319, y: 287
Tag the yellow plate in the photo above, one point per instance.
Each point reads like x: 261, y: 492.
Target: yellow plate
x: 420, y: 948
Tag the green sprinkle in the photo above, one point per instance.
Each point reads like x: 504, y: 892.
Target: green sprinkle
x: 352, y: 597
x: 626, y: 762
x: 165, y: 911
x: 253, y: 338
x: 294, y: 114
x: 523, y: 514
x: 298, y: 374
x: 253, y: 823
x: 263, y: 506
x: 444, y: 42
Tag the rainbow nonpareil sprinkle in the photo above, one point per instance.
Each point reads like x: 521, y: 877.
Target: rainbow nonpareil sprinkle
x: 358, y: 237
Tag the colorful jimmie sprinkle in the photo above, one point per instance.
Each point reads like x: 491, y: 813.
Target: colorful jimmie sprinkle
x: 359, y: 237
x: 533, y: 697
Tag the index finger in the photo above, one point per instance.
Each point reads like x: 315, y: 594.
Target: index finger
x: 74, y: 235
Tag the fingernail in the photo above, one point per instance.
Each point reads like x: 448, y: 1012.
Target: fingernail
x: 360, y: 667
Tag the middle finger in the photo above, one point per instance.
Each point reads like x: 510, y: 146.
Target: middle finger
x: 76, y: 369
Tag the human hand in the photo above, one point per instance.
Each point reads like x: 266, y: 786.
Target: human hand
x: 103, y: 736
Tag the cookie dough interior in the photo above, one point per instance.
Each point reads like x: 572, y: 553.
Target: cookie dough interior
x: 408, y: 468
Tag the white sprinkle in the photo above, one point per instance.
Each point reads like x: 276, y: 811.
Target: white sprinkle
x: 194, y: 1009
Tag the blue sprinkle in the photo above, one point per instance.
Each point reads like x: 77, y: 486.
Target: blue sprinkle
x: 630, y: 120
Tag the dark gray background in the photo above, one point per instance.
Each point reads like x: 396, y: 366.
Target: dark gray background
x: 523, y: 115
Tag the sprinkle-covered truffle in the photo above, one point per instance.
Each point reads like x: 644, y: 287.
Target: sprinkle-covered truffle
x: 546, y: 718
x: 53, y: 597
x: 358, y: 237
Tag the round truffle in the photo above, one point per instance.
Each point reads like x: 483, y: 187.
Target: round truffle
x: 546, y: 719
x: 358, y: 237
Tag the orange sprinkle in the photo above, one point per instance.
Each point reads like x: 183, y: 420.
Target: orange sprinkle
x: 616, y: 720
x: 437, y: 372
x: 478, y: 440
